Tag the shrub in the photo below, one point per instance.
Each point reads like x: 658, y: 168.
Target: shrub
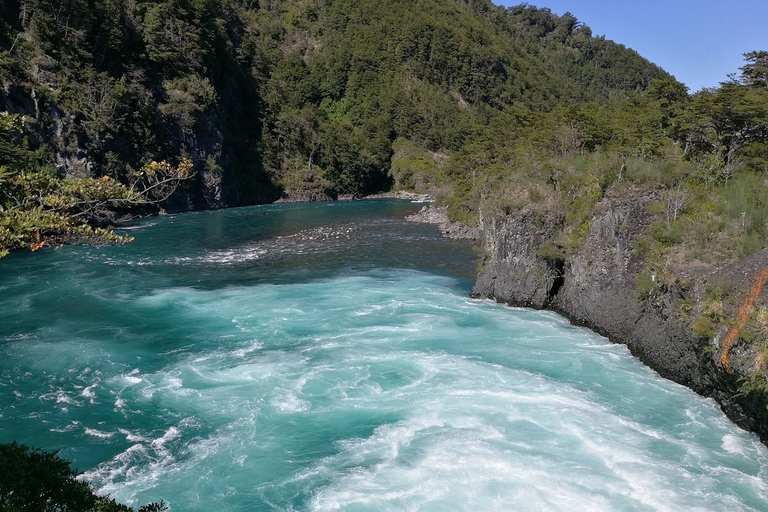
x: 34, y: 480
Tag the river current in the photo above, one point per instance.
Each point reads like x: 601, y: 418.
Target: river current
x: 327, y: 357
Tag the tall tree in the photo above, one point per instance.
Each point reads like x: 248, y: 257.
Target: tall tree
x: 755, y: 72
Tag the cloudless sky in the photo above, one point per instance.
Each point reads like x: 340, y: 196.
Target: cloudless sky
x: 700, y: 42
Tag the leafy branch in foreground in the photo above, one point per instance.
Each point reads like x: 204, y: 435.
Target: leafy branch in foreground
x: 39, y: 209
x: 38, y: 481
x: 157, y: 181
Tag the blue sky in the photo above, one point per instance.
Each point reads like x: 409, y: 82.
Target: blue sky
x: 698, y: 41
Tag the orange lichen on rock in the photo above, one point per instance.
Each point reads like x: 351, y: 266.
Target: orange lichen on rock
x: 742, y: 316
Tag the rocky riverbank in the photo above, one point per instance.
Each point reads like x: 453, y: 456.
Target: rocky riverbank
x: 438, y: 215
x: 597, y: 286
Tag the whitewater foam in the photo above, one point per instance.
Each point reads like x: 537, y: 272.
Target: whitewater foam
x: 236, y: 364
x: 98, y: 433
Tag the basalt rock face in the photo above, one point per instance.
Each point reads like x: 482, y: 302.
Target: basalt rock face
x: 595, y: 286
x: 515, y: 273
x: 225, y: 175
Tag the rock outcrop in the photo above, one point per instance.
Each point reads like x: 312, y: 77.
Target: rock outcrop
x: 597, y: 286
x: 438, y: 215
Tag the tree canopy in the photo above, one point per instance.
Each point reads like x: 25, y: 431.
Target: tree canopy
x: 39, y: 209
x: 35, y: 480
x: 266, y: 98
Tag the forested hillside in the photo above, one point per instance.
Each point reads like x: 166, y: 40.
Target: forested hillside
x: 298, y: 97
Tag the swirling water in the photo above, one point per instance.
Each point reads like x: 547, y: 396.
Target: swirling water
x: 326, y: 357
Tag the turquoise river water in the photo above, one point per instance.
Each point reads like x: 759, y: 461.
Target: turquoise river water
x: 327, y: 357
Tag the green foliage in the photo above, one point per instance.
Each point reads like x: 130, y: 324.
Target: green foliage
x: 756, y: 381
x: 709, y: 315
x: 31, y: 479
x: 187, y: 97
x: 725, y: 120
x: 755, y: 72
x: 364, y: 75
x: 755, y: 333
x: 711, y: 203
x: 305, y: 180
x: 551, y: 251
x: 413, y: 167
x: 34, y: 480
x: 39, y: 209
x: 333, y: 84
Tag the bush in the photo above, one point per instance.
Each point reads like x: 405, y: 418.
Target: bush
x: 34, y: 480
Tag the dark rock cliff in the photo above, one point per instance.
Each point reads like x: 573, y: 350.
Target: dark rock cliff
x: 226, y: 171
x: 596, y: 286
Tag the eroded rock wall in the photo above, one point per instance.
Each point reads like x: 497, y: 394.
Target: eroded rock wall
x: 596, y: 286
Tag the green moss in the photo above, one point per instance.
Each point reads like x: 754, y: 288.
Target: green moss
x: 704, y: 327
x: 550, y: 250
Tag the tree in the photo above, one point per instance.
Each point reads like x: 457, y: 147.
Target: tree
x: 755, y: 72
x: 34, y: 480
x: 672, y: 98
x: 38, y: 209
x: 171, y: 38
x: 726, y: 119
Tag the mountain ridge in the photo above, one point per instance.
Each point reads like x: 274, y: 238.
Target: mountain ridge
x: 319, y: 91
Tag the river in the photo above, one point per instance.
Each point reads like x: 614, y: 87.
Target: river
x: 326, y: 356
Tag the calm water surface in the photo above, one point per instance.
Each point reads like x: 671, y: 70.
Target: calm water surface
x: 326, y: 357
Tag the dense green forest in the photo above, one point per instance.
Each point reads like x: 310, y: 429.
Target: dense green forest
x: 487, y: 107
x: 302, y: 99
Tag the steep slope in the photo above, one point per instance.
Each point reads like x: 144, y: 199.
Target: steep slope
x: 597, y: 286
x: 111, y: 85
x: 646, y: 219
x: 297, y: 97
